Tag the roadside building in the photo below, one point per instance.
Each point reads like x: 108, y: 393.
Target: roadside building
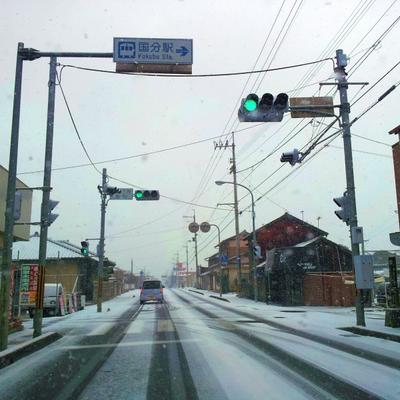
x: 65, y: 265
x: 300, y: 266
x: 317, y: 272
x: 23, y: 207
x: 211, y: 275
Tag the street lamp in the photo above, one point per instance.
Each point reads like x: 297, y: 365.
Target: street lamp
x: 205, y: 227
x: 219, y: 183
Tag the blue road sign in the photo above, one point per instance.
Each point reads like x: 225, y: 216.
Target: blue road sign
x: 224, y: 260
x: 153, y: 51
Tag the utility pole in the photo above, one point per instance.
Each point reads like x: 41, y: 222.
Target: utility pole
x: 236, y: 202
x: 38, y: 316
x: 103, y: 194
x: 195, y: 249
x: 342, y: 85
x: 9, y: 213
x: 131, y: 266
x: 187, y: 265
x: 196, y: 254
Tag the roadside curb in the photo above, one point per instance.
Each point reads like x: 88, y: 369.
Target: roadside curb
x: 219, y: 298
x: 9, y: 356
x: 368, y: 332
x: 191, y: 290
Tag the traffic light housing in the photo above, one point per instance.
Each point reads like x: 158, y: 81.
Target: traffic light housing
x: 111, y: 190
x: 17, y: 205
x: 85, y: 248
x: 267, y: 109
x: 50, y: 216
x: 147, y: 195
x: 344, y: 204
x: 292, y: 157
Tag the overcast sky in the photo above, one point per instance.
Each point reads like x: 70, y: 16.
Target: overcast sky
x: 120, y: 116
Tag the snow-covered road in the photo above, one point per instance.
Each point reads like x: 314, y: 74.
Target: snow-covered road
x: 194, y: 347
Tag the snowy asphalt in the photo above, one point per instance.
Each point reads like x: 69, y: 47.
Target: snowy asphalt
x: 191, y: 348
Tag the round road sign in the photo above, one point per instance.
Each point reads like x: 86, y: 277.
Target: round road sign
x: 205, y: 227
x: 193, y: 227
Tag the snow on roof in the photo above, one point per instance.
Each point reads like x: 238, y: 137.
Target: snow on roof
x: 55, y: 249
x: 304, y: 244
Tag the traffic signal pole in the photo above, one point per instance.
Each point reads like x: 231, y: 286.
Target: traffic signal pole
x: 103, y: 195
x: 342, y: 85
x: 45, y: 210
x: 10, y: 205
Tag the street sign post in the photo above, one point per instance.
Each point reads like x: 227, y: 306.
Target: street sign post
x: 124, y: 194
x: 155, y: 55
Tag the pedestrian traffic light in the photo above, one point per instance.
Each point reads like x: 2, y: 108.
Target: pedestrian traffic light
x: 257, y: 251
x: 292, y: 157
x: 17, y: 205
x: 344, y: 204
x: 144, y: 195
x: 85, y: 248
x: 50, y: 216
x: 267, y: 109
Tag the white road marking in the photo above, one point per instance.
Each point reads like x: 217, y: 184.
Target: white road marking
x: 126, y: 344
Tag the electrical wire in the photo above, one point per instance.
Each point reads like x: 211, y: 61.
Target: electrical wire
x: 74, y: 125
x: 363, y: 152
x: 215, y: 75
x: 138, y: 155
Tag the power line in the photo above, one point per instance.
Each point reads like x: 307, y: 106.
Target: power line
x: 279, y: 146
x: 364, y: 152
x: 378, y: 81
x: 197, y: 75
x: 215, y: 159
x: 283, y: 37
x: 74, y: 124
x: 371, y: 140
x: 137, y: 155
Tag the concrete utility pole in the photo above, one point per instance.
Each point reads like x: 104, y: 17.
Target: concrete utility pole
x: 196, y: 254
x: 342, y: 85
x: 103, y: 194
x: 44, y: 215
x: 253, y: 235
x: 187, y: 265
x: 235, y: 203
x: 10, y: 205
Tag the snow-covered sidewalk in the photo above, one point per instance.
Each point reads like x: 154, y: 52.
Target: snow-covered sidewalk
x: 321, y: 321
x: 85, y: 322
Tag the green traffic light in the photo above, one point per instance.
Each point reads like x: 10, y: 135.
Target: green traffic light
x: 139, y: 195
x: 250, y: 105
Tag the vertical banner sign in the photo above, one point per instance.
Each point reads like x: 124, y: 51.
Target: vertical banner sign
x: 40, y: 287
x: 29, y: 281
x: 12, y: 284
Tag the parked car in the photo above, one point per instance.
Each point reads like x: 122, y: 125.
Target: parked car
x: 51, y: 301
x: 152, y: 290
